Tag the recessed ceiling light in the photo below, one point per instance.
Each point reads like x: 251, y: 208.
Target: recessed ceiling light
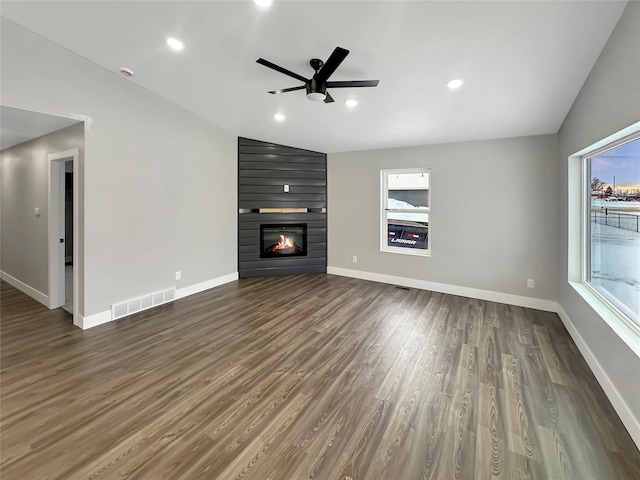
x: 351, y: 103
x: 279, y: 117
x: 175, y: 44
x: 263, y: 3
x: 455, y: 83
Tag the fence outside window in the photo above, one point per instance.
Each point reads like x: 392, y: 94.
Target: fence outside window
x: 624, y: 221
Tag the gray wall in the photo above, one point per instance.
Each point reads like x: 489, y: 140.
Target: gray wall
x: 158, y: 180
x: 493, y: 219
x: 608, y: 102
x: 24, y: 186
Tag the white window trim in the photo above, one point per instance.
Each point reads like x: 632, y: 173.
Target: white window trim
x: 384, y: 247
x: 578, y: 247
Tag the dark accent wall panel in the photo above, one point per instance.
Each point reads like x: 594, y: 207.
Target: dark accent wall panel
x: 263, y: 170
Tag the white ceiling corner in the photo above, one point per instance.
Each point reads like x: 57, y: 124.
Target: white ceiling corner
x: 18, y: 126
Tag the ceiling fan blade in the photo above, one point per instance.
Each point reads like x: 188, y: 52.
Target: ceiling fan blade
x: 333, y: 62
x: 328, y: 98
x: 353, y: 83
x: 284, y: 90
x: 278, y: 68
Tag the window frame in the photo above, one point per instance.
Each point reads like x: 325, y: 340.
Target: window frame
x: 622, y: 326
x: 609, y: 301
x: 384, y: 211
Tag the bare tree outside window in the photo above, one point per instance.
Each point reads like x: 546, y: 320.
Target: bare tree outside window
x: 596, y: 184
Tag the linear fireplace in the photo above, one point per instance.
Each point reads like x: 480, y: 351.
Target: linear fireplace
x: 283, y: 240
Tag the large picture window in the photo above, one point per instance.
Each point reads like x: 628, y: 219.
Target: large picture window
x: 611, y: 242
x: 406, y: 208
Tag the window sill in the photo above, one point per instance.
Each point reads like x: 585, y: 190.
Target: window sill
x: 624, y: 327
x: 407, y: 251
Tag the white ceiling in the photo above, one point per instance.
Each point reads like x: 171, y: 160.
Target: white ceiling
x: 523, y: 62
x: 18, y: 126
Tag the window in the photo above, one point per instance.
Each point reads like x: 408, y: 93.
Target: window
x: 611, y: 237
x: 405, y: 206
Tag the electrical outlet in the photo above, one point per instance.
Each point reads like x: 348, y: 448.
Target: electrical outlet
x: 354, y: 259
x: 531, y: 283
x: 178, y: 275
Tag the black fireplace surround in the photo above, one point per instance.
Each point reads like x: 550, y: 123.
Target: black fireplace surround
x: 283, y: 240
x: 281, y: 191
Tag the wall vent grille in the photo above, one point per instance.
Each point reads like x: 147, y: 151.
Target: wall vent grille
x: 135, y: 305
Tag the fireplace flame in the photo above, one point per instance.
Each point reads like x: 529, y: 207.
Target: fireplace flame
x: 285, y: 243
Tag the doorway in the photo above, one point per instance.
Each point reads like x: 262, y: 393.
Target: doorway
x: 68, y: 236
x: 63, y: 231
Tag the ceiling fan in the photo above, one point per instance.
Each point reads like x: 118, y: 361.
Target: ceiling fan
x: 317, y: 85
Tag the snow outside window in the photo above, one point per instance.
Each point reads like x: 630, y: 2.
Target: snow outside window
x: 405, y: 210
x: 611, y: 243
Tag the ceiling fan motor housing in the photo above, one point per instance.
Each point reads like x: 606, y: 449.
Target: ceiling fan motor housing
x: 316, y: 90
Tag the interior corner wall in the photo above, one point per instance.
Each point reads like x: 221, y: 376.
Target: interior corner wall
x: 159, y: 182
x: 24, y: 236
x: 608, y: 102
x: 493, y: 221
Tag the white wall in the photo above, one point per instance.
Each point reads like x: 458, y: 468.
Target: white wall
x: 493, y: 214
x: 608, y: 102
x: 159, y: 182
x: 24, y: 186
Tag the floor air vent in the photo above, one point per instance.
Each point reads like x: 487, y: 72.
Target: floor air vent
x: 145, y: 302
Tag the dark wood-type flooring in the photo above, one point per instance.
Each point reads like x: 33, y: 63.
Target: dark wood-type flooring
x: 311, y: 376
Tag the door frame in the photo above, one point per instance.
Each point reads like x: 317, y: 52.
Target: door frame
x: 56, y: 227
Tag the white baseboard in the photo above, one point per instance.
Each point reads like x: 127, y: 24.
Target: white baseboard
x: 106, y: 316
x: 24, y: 288
x: 622, y: 409
x: 202, y: 286
x: 529, y: 302
x: 94, y: 320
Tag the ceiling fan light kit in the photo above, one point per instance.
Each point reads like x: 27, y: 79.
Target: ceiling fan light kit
x: 317, y: 96
x: 317, y: 85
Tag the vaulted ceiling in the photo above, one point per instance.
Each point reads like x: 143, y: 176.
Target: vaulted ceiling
x: 523, y: 62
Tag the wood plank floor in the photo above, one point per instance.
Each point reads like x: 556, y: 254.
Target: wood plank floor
x: 312, y: 376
